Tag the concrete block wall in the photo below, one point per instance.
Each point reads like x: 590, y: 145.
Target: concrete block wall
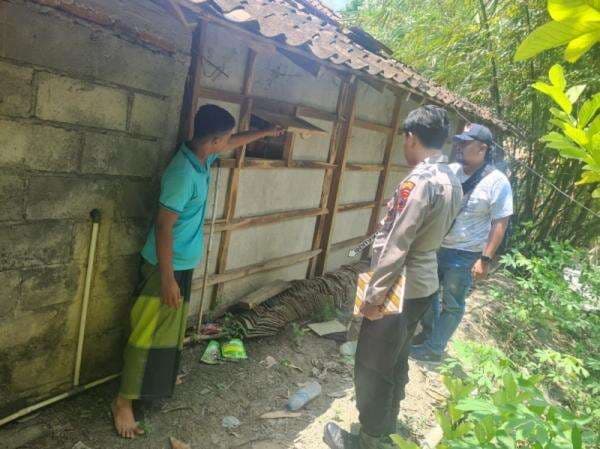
x: 87, y: 119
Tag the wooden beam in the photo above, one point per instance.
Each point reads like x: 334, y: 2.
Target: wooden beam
x: 263, y: 294
x: 234, y: 175
x: 364, y: 167
x: 192, y: 88
x: 328, y: 178
x: 264, y: 219
x: 355, y: 206
x: 283, y: 107
x: 307, y: 111
x: 258, y: 163
x: 385, y: 129
x: 268, y: 265
x: 387, y: 163
x: 348, y: 112
x: 346, y: 243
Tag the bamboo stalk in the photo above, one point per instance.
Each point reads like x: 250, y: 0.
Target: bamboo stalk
x: 96, y: 216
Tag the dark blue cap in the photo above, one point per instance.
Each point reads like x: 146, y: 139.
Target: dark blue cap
x: 474, y: 131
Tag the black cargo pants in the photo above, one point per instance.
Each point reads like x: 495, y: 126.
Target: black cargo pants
x: 381, y: 366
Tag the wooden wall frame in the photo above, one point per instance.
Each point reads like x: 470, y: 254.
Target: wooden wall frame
x: 343, y: 119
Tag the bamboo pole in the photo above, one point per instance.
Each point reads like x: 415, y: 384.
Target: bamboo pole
x: 206, y: 260
x: 95, y: 216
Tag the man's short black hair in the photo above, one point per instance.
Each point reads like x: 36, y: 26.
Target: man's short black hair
x: 212, y: 120
x: 430, y: 124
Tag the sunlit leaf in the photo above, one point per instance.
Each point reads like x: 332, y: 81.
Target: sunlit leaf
x: 587, y: 110
x: 576, y: 437
x: 575, y: 92
x: 579, y: 46
x: 551, y: 35
x: 589, y: 177
x: 557, y: 77
x: 577, y: 135
x: 596, y: 193
x: 556, y: 94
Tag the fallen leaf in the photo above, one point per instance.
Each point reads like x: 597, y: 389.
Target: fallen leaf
x: 269, y: 361
x: 179, y: 379
x: 281, y: 414
x: 80, y: 445
x: 177, y: 444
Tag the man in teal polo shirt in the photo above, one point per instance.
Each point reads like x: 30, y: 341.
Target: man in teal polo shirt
x: 173, y: 249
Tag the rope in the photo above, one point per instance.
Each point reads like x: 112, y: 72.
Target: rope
x: 541, y: 177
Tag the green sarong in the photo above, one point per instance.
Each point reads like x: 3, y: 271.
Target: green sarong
x: 153, y: 351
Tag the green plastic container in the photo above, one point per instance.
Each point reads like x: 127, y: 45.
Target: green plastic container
x: 212, y: 353
x: 234, y: 350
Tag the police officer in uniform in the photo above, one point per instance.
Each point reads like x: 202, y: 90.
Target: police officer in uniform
x: 418, y: 217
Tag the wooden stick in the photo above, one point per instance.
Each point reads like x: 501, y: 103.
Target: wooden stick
x: 348, y: 114
x: 234, y: 177
x: 267, y: 265
x: 387, y: 162
x: 208, y: 251
x: 355, y: 206
x: 364, y: 167
x: 329, y: 174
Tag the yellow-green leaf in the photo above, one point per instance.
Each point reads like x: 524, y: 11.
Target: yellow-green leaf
x: 556, y: 94
x: 561, y: 10
x: 577, y: 47
x: 577, y: 135
x: 557, y: 76
x: 589, y: 177
x: 588, y: 110
x: 596, y: 193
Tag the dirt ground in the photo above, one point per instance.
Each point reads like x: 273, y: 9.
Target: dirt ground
x: 246, y: 390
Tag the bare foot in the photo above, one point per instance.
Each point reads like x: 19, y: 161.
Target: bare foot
x: 124, y: 419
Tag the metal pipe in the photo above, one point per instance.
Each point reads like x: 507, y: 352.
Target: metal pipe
x: 208, y: 248
x: 60, y: 397
x: 95, y: 215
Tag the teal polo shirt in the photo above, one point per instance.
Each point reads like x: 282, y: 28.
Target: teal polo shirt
x: 183, y: 190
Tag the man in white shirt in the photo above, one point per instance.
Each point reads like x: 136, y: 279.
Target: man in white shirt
x: 471, y: 243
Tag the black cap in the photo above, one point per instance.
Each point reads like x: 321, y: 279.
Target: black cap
x: 474, y: 131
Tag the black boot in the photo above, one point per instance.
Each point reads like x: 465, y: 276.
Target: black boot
x: 337, y: 438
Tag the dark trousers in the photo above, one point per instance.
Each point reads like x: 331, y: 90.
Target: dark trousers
x: 381, y: 366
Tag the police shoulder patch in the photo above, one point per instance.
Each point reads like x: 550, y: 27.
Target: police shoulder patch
x: 403, y: 193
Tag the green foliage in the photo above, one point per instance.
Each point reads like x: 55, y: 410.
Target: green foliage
x: 575, y: 23
x: 578, y: 135
x: 551, y: 329
x: 469, y: 46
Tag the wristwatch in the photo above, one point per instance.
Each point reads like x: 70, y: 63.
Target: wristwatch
x: 485, y: 259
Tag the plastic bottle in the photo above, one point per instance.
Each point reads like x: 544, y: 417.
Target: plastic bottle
x: 304, y: 395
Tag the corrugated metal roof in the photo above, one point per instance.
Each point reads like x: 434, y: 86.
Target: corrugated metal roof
x: 314, y: 27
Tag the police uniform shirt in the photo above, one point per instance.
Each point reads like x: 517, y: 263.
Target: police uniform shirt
x: 418, y: 217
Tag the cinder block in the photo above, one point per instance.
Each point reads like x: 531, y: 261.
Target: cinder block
x: 15, y: 90
x: 102, y: 354
x: 34, y: 244
x: 33, y: 33
x: 148, y: 116
x: 116, y: 276
x: 51, y: 197
x: 127, y: 237
x: 47, y: 286
x: 10, y: 282
x: 137, y: 199
x: 44, y: 368
x: 27, y: 328
x: 38, y: 147
x: 118, y: 155
x: 12, y: 192
x: 111, y: 312
x: 70, y: 100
